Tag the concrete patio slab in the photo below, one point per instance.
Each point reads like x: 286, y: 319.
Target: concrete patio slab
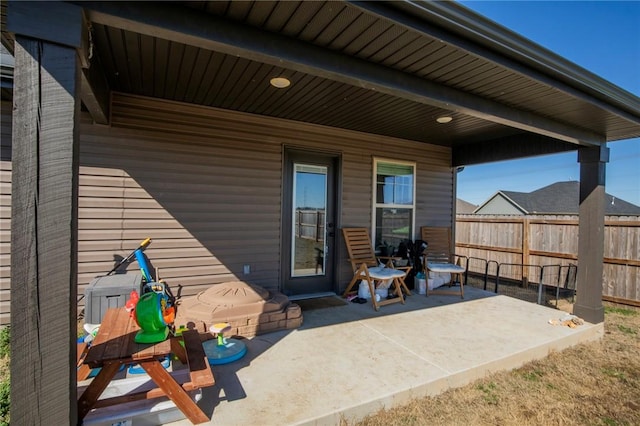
x: 350, y: 361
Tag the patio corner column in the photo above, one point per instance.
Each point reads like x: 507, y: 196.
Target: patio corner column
x: 44, y: 216
x: 591, y: 233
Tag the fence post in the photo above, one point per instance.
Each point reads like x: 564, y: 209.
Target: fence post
x: 525, y: 250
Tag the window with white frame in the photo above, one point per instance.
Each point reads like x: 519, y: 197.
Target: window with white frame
x: 394, y: 203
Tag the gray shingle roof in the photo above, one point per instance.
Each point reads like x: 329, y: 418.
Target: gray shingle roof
x: 464, y: 207
x: 563, y: 198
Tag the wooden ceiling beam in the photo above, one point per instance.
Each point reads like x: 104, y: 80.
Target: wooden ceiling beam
x: 508, y: 148
x: 95, y: 94
x: 94, y: 87
x: 191, y: 27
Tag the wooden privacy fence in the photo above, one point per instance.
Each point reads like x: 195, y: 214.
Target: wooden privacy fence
x: 310, y: 224
x: 542, y: 241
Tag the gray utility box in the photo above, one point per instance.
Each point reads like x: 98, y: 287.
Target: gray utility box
x: 109, y: 291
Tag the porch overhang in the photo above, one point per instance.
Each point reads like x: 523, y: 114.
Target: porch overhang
x: 388, y: 68
x: 217, y: 34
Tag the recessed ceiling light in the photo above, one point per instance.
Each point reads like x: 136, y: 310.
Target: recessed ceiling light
x: 280, y: 82
x: 444, y: 119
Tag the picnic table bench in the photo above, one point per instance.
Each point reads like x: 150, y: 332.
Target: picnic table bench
x: 114, y: 346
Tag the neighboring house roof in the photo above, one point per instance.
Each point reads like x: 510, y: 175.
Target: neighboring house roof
x: 464, y: 207
x: 557, y: 198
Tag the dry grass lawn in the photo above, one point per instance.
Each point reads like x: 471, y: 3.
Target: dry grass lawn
x: 596, y: 383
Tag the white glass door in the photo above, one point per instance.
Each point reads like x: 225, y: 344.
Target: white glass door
x: 308, y: 230
x: 309, y: 220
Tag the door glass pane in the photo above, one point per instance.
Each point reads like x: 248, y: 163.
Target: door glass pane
x: 309, y: 205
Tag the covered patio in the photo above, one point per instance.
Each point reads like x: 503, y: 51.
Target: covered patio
x: 138, y: 119
x: 347, y: 362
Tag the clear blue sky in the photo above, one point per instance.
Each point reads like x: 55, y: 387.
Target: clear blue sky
x: 600, y: 36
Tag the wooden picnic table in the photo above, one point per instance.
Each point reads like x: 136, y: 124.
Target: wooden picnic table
x: 114, y: 346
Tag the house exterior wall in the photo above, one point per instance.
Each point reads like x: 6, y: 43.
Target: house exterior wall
x: 499, y: 205
x: 206, y: 185
x: 5, y: 210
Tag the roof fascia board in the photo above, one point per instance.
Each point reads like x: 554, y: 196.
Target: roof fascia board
x: 507, y: 148
x: 66, y: 25
x: 487, y: 39
x: 213, y: 33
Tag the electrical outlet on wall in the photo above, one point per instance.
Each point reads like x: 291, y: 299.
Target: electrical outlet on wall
x: 246, y: 269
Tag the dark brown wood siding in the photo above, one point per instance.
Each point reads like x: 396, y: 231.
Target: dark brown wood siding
x: 205, y: 184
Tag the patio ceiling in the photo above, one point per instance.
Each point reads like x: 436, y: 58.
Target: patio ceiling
x: 389, y: 68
